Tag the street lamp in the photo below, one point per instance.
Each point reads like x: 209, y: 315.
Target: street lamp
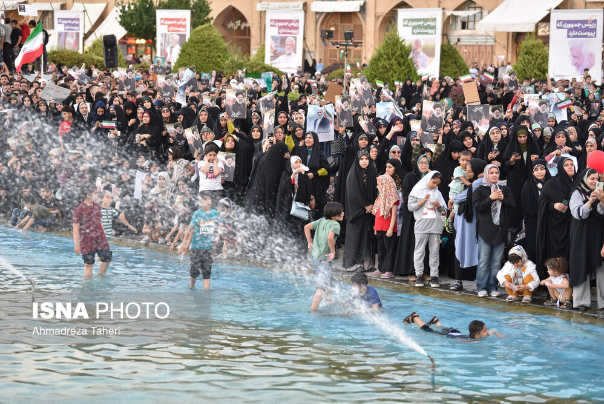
x: 327, y: 35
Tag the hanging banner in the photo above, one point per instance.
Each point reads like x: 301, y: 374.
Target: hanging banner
x: 69, y: 30
x: 173, y: 28
x: 578, y: 38
x: 421, y: 29
x: 284, y: 36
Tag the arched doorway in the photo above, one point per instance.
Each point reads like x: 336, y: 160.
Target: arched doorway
x: 339, y: 23
x: 389, y: 21
x: 235, y: 30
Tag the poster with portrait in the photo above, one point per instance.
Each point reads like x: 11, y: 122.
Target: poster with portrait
x: 235, y: 103
x: 364, y: 91
x: 194, y: 140
x: 532, y: 102
x: 432, y: 120
x: 172, y: 28
x: 192, y: 81
x: 165, y: 86
x: 479, y: 116
x: 578, y: 38
x: 344, y: 110
x: 284, y: 38
x: 267, y: 102
x: 321, y: 121
x: 127, y: 81
x: 421, y: 29
x: 159, y: 65
x: 387, y: 111
x: 367, y: 125
x: 69, y: 30
x: 561, y: 114
x: 228, y: 160
x: 496, y: 112
x: 268, y: 123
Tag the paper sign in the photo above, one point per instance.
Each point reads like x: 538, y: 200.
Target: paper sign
x: 28, y: 9
x: 55, y: 93
x: 138, y: 185
x: 333, y: 90
x: 470, y: 93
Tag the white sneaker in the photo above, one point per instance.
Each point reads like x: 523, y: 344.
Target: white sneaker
x: 482, y: 293
x: 495, y: 293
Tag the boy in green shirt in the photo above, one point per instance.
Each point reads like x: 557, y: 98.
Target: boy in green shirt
x: 38, y: 215
x: 323, y: 249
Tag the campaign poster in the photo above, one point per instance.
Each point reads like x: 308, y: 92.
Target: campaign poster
x: 172, y: 28
x: 497, y: 112
x: 578, y: 38
x: 561, y: 114
x: 479, y: 116
x: 229, y: 165
x: 267, y: 102
x: 536, y: 108
x: 321, y: 121
x: 127, y: 81
x: 165, y: 86
x: 344, y: 110
x: 432, y: 120
x: 356, y: 103
x: 268, y: 124
x: 192, y: 80
x: 193, y: 139
x: 236, y: 103
x: 284, y: 37
x: 159, y: 65
x: 368, y: 126
x: 69, y: 30
x: 364, y: 90
x: 421, y: 29
x: 386, y: 110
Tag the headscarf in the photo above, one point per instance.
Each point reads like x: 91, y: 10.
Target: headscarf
x: 517, y: 274
x: 392, y: 148
x: 495, y: 204
x: 477, y: 166
x: 161, y: 192
x: 399, y: 172
x: 582, y: 186
x: 420, y: 190
x: 387, y: 196
x: 532, y: 189
x: 361, y: 188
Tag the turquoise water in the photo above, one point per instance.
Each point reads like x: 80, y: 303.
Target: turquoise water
x: 264, y: 345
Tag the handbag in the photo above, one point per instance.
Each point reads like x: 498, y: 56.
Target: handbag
x: 299, y: 209
x: 334, y: 163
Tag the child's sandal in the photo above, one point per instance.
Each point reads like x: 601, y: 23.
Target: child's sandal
x: 511, y: 298
x: 550, y: 302
x: 409, y: 319
x: 433, y: 321
x: 565, y: 305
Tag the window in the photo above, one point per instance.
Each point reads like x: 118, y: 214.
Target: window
x: 48, y: 20
x: 468, y: 22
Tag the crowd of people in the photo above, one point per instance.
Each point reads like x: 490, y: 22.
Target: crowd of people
x: 516, y: 208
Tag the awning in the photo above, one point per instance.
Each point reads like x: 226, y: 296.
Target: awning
x: 462, y: 13
x: 10, y: 5
x: 286, y: 6
x: 517, y: 15
x: 111, y: 25
x: 93, y: 12
x: 336, y: 6
x: 48, y: 6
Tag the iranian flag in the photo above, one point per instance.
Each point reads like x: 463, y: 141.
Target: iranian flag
x: 467, y: 77
x: 108, y: 124
x: 564, y: 103
x: 425, y: 77
x: 489, y: 76
x: 348, y: 70
x: 32, y: 48
x: 358, y: 65
x: 379, y: 83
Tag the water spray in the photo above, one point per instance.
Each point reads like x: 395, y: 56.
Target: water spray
x: 433, y: 372
x: 14, y: 270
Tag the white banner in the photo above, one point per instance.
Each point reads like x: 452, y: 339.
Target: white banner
x: 28, y: 9
x: 421, y: 28
x: 173, y: 28
x: 69, y: 30
x: 577, y: 35
x: 284, y: 36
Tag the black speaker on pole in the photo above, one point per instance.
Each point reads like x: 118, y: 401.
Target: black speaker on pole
x: 110, y: 50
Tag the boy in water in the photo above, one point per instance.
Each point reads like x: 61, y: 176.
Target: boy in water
x: 200, y: 237
x: 323, y: 249
x: 477, y: 329
x: 365, y: 296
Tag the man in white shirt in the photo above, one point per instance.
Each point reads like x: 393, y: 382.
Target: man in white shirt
x: 420, y: 59
x: 289, y: 58
x: 174, y: 49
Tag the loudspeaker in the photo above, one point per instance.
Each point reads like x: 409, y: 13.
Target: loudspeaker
x: 110, y: 51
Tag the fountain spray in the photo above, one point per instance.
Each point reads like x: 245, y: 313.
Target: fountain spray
x: 4, y: 263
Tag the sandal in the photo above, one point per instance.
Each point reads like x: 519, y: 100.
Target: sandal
x: 409, y: 319
x: 511, y: 298
x: 527, y: 299
x: 565, y: 305
x: 433, y: 321
x: 550, y: 302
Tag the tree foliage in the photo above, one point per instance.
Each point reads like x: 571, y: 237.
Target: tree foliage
x: 205, y: 49
x: 533, y: 59
x: 451, y: 62
x: 391, y: 62
x: 253, y: 64
x: 96, y: 50
x: 74, y: 58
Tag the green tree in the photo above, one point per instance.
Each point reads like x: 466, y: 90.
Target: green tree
x: 138, y: 18
x: 200, y: 10
x: 533, y: 59
x: 205, y: 49
x: 451, y: 62
x: 96, y: 50
x: 391, y: 62
x: 254, y: 65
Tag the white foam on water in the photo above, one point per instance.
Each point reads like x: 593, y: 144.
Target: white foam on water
x: 5, y: 264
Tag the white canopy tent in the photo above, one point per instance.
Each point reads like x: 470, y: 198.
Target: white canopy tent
x: 517, y: 15
x: 48, y: 6
x: 10, y: 5
x: 93, y: 12
x: 111, y: 25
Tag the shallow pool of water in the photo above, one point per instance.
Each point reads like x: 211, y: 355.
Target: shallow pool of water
x: 264, y: 346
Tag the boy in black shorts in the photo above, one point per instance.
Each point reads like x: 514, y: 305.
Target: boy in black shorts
x: 200, y: 237
x: 477, y: 329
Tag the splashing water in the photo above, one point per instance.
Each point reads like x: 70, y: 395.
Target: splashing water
x: 5, y: 264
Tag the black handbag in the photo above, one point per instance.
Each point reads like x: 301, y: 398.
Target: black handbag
x: 334, y: 163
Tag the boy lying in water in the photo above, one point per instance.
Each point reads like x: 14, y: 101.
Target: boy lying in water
x: 477, y: 329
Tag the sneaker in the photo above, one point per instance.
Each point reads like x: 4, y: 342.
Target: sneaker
x: 412, y: 278
x: 145, y: 240
x: 419, y: 283
x: 375, y: 274
x: 434, y: 282
x: 388, y: 275
x: 483, y: 293
x: 495, y: 293
x: 457, y: 286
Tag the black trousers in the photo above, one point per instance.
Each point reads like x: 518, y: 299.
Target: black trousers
x: 8, y: 56
x: 386, y: 247
x: 464, y: 274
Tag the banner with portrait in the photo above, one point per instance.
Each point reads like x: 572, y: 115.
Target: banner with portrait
x: 578, y: 38
x: 432, y: 120
x: 344, y: 110
x: 69, y: 30
x: 321, y: 121
x: 479, y: 115
x: 172, y: 29
x: 284, y: 37
x: 421, y: 29
x: 236, y: 103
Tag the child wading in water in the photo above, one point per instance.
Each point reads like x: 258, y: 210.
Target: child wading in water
x: 557, y: 283
x: 323, y: 249
x: 200, y: 237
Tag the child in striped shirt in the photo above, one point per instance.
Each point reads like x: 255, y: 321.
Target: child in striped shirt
x: 108, y: 213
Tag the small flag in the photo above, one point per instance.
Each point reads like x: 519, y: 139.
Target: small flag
x: 358, y: 65
x: 108, y: 124
x: 467, y: 77
x: 379, y: 83
x: 311, y: 81
x: 564, y: 103
x: 23, y: 125
x: 425, y: 77
x: 348, y: 69
x: 489, y: 76
x: 397, y: 83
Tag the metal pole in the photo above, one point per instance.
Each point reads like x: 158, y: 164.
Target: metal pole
x: 345, y: 68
